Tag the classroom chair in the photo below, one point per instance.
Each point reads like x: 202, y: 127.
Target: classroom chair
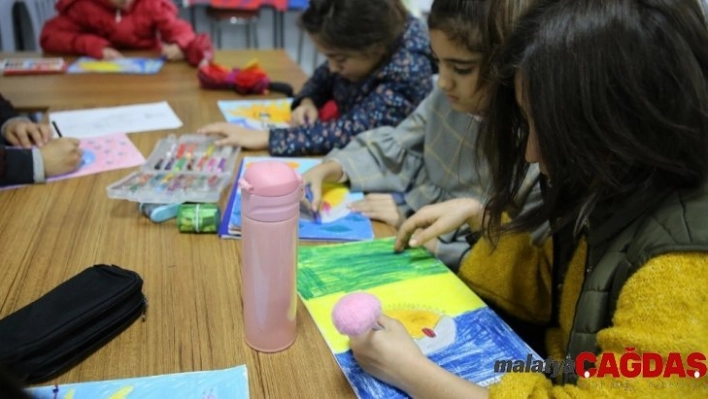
x: 39, y: 12
x: 220, y: 17
x: 245, y: 13
x: 7, y: 26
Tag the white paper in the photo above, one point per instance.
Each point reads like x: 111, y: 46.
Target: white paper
x: 124, y: 119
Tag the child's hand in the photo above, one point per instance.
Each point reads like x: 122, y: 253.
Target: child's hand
x: 111, y: 54
x: 388, y: 354
x: 237, y: 136
x: 326, y: 172
x: 61, y: 156
x: 379, y: 207
x: 305, y: 114
x: 25, y: 133
x: 172, y: 52
x: 435, y: 220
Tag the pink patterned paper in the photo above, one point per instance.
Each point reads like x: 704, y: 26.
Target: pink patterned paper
x: 103, y: 154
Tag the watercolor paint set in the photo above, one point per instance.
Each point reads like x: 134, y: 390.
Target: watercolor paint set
x: 190, y: 168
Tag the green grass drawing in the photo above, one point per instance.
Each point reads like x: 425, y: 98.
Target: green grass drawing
x: 328, y: 269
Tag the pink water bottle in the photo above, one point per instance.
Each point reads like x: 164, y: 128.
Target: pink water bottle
x: 270, y: 210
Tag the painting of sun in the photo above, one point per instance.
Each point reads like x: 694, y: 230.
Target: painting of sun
x: 449, y: 323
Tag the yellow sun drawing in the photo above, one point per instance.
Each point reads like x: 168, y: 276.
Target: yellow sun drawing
x: 274, y: 112
x: 333, y: 195
x: 415, y: 320
x: 432, y: 331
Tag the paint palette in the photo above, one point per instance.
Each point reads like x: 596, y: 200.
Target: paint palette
x: 190, y: 168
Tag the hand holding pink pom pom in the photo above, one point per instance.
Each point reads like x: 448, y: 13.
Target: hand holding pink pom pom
x: 356, y: 313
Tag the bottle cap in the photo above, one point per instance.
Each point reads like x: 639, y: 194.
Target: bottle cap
x: 270, y: 179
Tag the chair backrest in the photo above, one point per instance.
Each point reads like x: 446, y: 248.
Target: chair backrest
x: 39, y: 12
x: 7, y: 26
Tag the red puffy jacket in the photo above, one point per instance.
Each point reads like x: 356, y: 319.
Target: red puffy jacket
x: 86, y: 27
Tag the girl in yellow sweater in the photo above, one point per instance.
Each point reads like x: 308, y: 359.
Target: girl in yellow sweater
x: 610, y: 98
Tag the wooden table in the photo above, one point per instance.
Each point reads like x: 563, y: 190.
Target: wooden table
x: 49, y: 233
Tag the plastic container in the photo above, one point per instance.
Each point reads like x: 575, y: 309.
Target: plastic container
x: 185, y: 169
x: 270, y: 208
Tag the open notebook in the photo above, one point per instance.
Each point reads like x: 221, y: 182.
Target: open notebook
x: 337, y: 222
x: 447, y: 320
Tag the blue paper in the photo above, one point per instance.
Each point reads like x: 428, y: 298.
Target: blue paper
x: 230, y: 383
x: 334, y: 222
x: 128, y: 65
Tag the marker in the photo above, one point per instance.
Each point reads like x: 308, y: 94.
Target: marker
x: 209, y: 150
x: 222, y: 165
x: 309, y: 197
x: 56, y: 128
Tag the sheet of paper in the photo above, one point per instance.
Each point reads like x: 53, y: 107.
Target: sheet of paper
x: 124, y: 119
x: 128, y: 65
x: 102, y: 154
x: 230, y: 383
x: 448, y: 322
x: 257, y: 114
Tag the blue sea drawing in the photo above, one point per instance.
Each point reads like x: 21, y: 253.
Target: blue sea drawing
x: 482, y: 338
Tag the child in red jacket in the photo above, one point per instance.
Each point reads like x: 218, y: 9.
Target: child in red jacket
x: 100, y: 28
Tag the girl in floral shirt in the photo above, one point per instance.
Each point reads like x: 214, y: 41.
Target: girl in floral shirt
x: 378, y: 70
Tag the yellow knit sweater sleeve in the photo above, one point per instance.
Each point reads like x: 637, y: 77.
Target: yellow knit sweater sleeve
x: 515, y: 275
x: 661, y: 309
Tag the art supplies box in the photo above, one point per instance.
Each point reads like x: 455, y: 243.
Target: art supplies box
x: 190, y: 168
x: 32, y: 66
x: 335, y: 222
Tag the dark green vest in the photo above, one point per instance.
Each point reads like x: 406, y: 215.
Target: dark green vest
x: 621, y: 244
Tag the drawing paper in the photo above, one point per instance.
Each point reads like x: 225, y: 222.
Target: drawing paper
x: 123, y: 119
x: 337, y: 223
x: 229, y: 383
x: 449, y: 322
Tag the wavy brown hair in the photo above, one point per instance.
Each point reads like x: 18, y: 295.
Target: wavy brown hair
x: 355, y: 25
x: 617, y: 93
x: 481, y: 26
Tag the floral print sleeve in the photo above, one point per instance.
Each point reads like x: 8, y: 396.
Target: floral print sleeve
x: 384, y: 106
x: 318, y: 88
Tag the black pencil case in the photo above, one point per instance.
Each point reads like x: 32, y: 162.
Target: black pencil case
x: 63, y: 327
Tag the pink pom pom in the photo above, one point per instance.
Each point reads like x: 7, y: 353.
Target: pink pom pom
x: 356, y: 313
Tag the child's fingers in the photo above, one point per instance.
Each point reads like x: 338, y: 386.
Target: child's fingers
x: 316, y: 190
x: 426, y: 234
x: 225, y: 142
x: 12, y: 139
x: 298, y: 118
x: 22, y: 135
x: 35, y: 134
x: 310, y: 115
x: 404, y: 237
x: 45, y: 132
x: 213, y: 129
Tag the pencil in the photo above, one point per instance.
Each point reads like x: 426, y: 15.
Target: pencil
x: 56, y: 128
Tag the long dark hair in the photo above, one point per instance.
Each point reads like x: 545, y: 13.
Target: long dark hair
x: 617, y: 94
x: 480, y: 26
x: 355, y: 25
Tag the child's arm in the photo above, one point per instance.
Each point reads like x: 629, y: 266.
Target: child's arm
x: 318, y: 88
x: 17, y: 166
x: 385, y: 159
x: 660, y: 311
x: 515, y: 275
x: 176, y: 31
x: 62, y: 34
x: 384, y: 106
